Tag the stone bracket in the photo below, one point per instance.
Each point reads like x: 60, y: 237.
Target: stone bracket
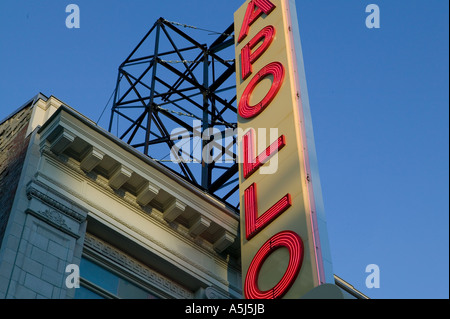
x: 93, y: 157
x: 224, y: 241
x: 120, y: 177
x: 147, y: 193
x: 62, y: 141
x: 173, y: 209
x: 199, y: 226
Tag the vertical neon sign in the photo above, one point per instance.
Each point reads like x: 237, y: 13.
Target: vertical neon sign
x: 281, y: 250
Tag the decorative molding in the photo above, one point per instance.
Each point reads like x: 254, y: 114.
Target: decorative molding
x: 55, y: 219
x: 171, y: 210
x: 49, y: 208
x: 146, y: 274
x: 214, y: 293
x: 34, y: 192
x: 205, y: 246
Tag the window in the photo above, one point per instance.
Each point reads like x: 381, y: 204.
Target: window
x: 100, y: 281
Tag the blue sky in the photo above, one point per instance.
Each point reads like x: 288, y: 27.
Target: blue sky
x: 379, y: 102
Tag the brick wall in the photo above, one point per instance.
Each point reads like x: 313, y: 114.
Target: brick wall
x: 13, y: 147
x: 41, y: 231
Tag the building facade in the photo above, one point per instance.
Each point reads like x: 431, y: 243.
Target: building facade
x: 84, y: 215
x: 76, y: 198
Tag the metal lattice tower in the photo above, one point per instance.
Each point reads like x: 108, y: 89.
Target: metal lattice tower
x: 169, y: 91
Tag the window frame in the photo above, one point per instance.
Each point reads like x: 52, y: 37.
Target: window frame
x: 120, y: 271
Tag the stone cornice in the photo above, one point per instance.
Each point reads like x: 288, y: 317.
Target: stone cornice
x: 155, y: 216
x: 128, y: 172
x: 134, y: 152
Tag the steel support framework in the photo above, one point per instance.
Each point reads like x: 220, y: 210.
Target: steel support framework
x: 175, y: 101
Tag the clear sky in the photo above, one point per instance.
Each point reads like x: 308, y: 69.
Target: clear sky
x: 379, y: 102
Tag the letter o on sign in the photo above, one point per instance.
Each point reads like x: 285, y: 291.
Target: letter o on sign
x: 294, y: 244
x: 245, y: 109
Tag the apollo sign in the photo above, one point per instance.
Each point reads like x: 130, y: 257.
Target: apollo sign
x: 280, y: 243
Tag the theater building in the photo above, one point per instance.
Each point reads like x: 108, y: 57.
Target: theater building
x: 73, y: 194
x: 85, y: 215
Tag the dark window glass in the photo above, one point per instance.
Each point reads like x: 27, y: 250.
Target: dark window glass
x: 108, y: 281
x: 85, y: 293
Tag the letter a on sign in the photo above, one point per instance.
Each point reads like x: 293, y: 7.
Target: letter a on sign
x: 254, y: 10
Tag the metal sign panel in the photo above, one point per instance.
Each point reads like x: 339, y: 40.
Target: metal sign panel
x: 283, y: 255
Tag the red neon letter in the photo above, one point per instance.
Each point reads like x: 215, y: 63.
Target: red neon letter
x: 264, y: 6
x: 247, y: 58
x: 277, y: 70
x: 253, y: 223
x: 252, y: 163
x: 294, y: 244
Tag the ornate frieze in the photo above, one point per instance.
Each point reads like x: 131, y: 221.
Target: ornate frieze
x: 54, y: 209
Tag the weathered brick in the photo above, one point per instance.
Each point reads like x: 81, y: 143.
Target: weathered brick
x: 13, y: 146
